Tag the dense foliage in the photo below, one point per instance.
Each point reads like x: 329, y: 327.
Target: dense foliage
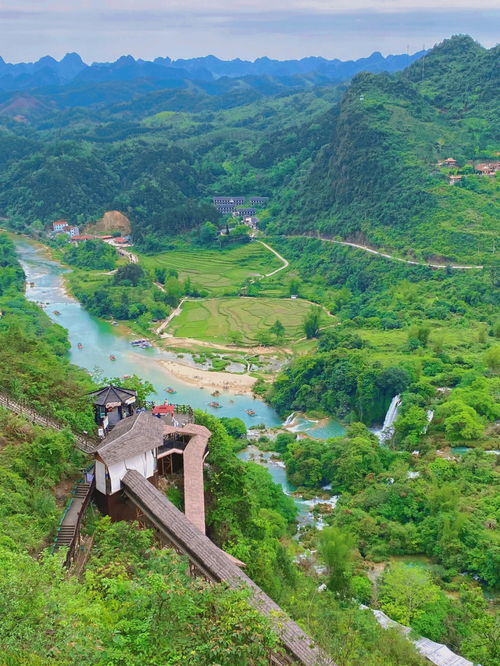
x: 33, y: 366
x: 92, y: 254
x: 136, y: 604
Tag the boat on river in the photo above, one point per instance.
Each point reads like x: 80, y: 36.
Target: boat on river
x: 56, y: 312
x: 250, y: 412
x: 169, y: 389
x: 215, y: 404
x: 140, y: 343
x: 112, y: 357
x: 79, y: 345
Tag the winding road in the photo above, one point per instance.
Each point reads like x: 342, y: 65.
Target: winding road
x: 388, y: 256
x: 285, y: 262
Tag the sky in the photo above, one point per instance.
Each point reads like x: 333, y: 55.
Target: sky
x: 103, y: 30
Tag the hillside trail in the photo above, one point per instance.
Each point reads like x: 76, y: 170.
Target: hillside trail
x: 365, y: 248
x: 173, y: 314
x: 280, y: 257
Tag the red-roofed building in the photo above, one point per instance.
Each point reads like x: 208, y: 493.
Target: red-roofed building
x: 163, y: 409
x: 82, y: 237
x: 60, y: 225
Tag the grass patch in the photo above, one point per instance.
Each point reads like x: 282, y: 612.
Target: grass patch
x: 215, y: 319
x: 220, y: 272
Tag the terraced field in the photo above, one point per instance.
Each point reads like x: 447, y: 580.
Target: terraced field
x: 219, y: 272
x: 214, y: 319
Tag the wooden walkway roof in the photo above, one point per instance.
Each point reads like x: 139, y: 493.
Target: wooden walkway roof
x: 194, y: 495
x: 216, y: 565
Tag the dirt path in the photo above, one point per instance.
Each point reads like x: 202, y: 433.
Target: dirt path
x: 173, y: 314
x: 365, y: 248
x: 281, y: 258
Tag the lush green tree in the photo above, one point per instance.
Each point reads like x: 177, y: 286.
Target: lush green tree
x: 492, y: 358
x: 160, y: 274
x: 278, y: 330
x: 336, y: 547
x: 91, y: 254
x: 129, y: 275
x: 405, y: 592
x: 312, y: 322
x: 208, y: 234
x: 234, y: 426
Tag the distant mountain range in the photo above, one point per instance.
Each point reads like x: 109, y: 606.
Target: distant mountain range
x: 71, y: 70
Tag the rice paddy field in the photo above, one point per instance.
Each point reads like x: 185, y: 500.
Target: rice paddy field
x: 219, y: 272
x: 215, y: 319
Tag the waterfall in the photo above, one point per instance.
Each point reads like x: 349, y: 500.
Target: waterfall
x: 289, y: 419
x: 430, y: 416
x: 388, y: 427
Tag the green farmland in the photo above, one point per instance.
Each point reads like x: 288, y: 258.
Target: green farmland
x: 218, y: 272
x: 218, y: 319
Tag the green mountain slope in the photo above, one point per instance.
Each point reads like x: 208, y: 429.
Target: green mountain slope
x: 377, y: 178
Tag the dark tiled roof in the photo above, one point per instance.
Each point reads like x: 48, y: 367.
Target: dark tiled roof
x: 216, y: 565
x: 130, y: 437
x: 111, y: 394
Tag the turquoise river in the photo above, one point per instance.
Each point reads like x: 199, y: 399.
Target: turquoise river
x: 100, y: 339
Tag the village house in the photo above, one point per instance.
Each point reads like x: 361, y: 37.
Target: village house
x: 62, y: 226
x: 237, y: 201
x: 59, y: 225
x: 81, y: 238
x: 111, y: 405
x: 455, y: 179
x: 450, y: 162
x: 251, y: 221
x: 228, y: 205
x: 225, y: 209
x: 488, y: 168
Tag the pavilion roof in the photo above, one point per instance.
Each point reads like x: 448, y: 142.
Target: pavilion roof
x: 111, y: 395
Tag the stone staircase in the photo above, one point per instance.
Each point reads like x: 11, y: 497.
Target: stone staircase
x: 68, y: 532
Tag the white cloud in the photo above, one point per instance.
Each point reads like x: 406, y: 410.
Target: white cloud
x: 105, y: 29
x: 244, y: 6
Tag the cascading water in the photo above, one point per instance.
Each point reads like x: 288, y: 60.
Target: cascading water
x: 430, y: 416
x: 388, y: 428
x: 289, y: 419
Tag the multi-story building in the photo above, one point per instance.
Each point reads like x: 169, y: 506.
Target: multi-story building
x: 244, y: 212
x: 258, y: 201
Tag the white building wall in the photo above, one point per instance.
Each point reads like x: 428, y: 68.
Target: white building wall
x: 150, y: 463
x: 116, y: 474
x: 143, y: 463
x: 100, y: 477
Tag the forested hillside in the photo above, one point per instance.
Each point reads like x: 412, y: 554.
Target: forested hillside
x: 378, y: 179
x: 360, y: 163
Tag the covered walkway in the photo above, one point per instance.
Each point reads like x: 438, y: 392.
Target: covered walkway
x: 217, y: 567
